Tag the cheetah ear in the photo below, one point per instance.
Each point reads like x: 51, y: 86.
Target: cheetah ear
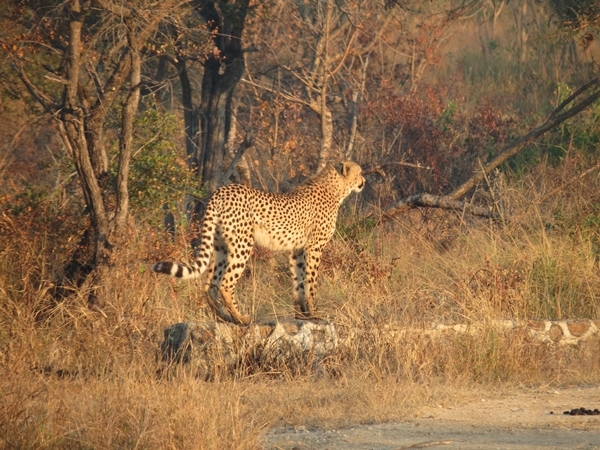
x: 343, y: 168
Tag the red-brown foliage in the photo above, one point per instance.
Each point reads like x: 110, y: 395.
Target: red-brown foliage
x: 426, y: 128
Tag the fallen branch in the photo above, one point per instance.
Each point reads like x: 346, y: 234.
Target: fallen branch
x: 435, y: 201
x: 555, y: 118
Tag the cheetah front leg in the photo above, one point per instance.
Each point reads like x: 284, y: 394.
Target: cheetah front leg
x: 313, y: 261
x: 305, y: 265
x: 298, y: 268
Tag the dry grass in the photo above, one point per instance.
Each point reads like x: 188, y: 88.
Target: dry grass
x: 124, y: 412
x: 73, y: 377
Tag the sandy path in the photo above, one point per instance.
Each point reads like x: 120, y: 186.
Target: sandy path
x: 519, y: 420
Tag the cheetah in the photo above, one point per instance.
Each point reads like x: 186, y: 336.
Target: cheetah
x: 300, y: 223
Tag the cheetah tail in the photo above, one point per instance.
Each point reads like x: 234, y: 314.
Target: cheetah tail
x: 204, y: 252
x: 177, y: 270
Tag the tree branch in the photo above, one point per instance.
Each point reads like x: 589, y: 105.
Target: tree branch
x: 356, y: 97
x: 283, y: 94
x: 380, y: 168
x: 245, y: 145
x: 38, y: 96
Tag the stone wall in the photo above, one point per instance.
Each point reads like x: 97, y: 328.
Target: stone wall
x: 207, y: 347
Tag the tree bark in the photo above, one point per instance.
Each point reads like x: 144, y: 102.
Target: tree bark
x: 245, y: 145
x: 190, y: 114
x: 223, y: 68
x: 72, y: 128
x: 126, y: 138
x: 325, y: 153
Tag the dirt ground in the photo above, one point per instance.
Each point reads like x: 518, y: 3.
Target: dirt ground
x: 517, y: 420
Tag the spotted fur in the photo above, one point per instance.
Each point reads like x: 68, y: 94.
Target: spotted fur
x: 300, y: 222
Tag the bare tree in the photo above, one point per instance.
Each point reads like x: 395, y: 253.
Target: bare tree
x: 323, y: 50
x: 327, y: 56
x: 90, y: 55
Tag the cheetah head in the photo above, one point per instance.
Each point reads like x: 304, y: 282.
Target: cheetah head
x: 351, y: 177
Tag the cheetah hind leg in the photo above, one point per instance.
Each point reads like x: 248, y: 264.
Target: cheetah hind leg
x: 226, y: 274
x: 230, y: 304
x: 212, y: 297
x: 215, y: 305
x: 228, y: 313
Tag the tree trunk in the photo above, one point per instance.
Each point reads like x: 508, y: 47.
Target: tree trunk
x: 190, y: 114
x: 77, y: 140
x: 215, y: 98
x: 237, y: 165
x: 93, y: 73
x: 325, y: 152
x: 126, y: 138
x: 223, y: 68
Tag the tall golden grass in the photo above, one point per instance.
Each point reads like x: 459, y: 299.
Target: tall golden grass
x: 80, y: 377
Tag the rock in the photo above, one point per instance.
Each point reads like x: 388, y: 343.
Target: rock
x: 212, y: 348
x: 206, y: 347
